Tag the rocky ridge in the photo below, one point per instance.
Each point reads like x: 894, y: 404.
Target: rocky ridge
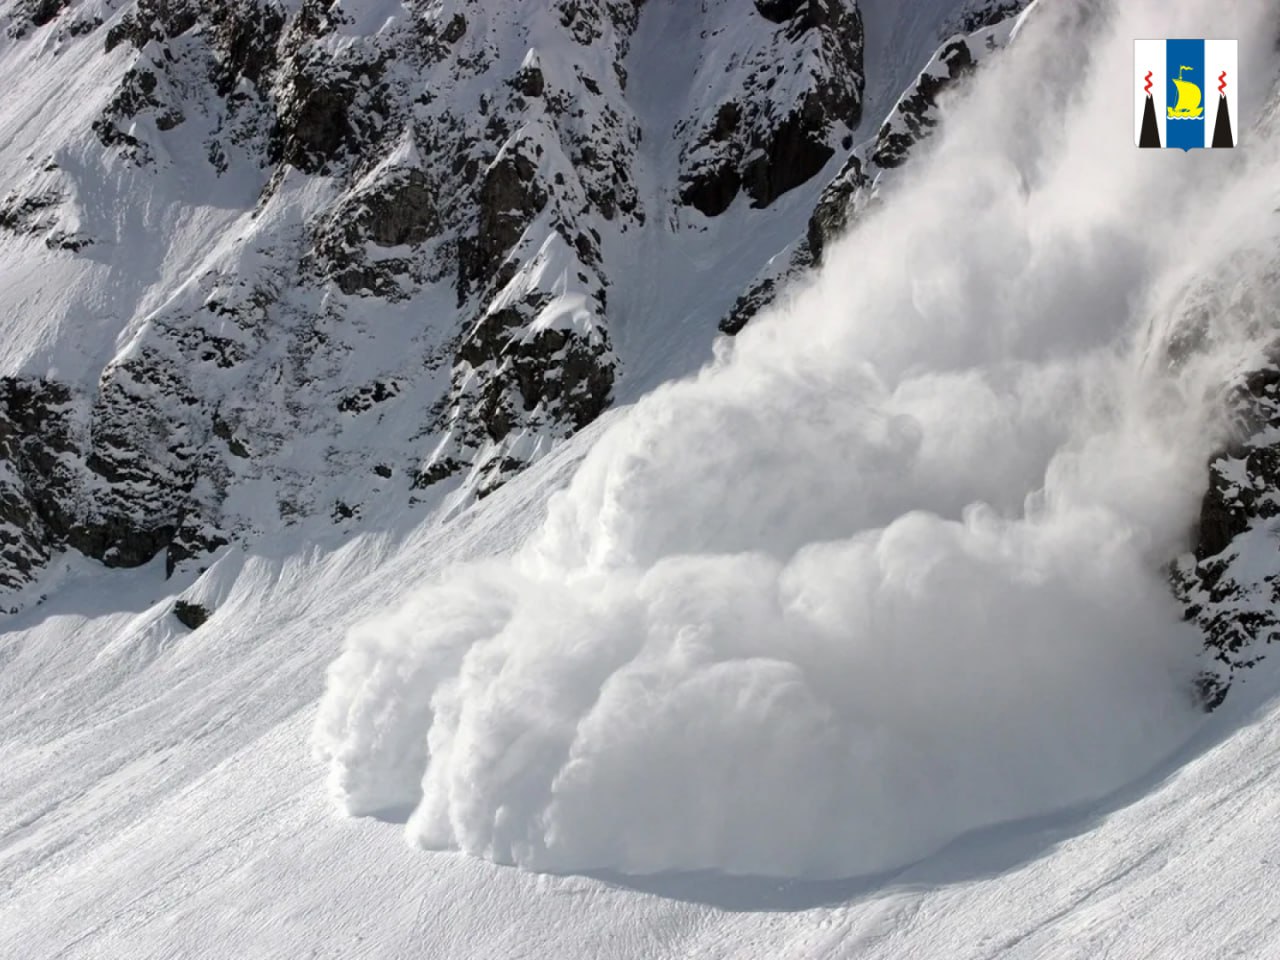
x: 1229, y: 584
x: 912, y: 120
x: 434, y: 186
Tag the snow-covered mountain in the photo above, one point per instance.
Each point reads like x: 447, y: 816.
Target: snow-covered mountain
x: 298, y: 259
x: 719, y: 448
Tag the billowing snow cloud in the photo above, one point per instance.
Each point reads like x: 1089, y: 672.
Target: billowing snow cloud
x: 890, y: 569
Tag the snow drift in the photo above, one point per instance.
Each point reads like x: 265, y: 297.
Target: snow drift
x: 891, y: 567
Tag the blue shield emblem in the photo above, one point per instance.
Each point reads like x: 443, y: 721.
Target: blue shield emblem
x: 1185, y: 93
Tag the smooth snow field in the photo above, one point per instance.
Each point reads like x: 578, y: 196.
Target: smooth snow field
x: 858, y: 643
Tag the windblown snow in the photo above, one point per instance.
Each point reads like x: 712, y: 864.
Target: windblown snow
x: 892, y: 567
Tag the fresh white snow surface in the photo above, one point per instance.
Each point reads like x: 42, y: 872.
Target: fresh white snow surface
x: 878, y: 595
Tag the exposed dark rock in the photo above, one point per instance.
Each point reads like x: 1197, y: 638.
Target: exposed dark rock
x: 403, y: 212
x: 830, y: 217
x: 153, y: 20
x: 758, y: 296
x: 530, y: 81
x: 78, y: 28
x: 794, y: 151
x: 368, y: 396
x: 586, y: 20
x: 379, y: 279
x: 313, y: 127
x: 190, y: 615
x: 245, y: 41
x: 437, y: 471
x: 61, y: 240
x: 510, y: 197
x: 1243, y: 477
x: 224, y: 431
x: 24, y: 547
x: 1238, y: 615
x: 913, y: 120
x: 24, y: 539
x: 21, y: 214
x: 137, y: 93
x: 915, y: 113
x: 456, y: 29
x: 767, y: 140
x: 195, y: 540
x: 780, y: 11
x: 984, y: 13
x: 112, y: 136
x: 39, y: 478
x: 397, y: 210
x: 326, y: 106
x: 50, y: 497
x: 712, y: 191
x: 41, y: 12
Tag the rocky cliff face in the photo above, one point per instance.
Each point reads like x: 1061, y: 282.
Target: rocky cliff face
x: 786, y: 105
x: 1230, y: 584
x: 913, y: 118
x: 324, y: 259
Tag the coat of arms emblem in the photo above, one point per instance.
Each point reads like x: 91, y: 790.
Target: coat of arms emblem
x: 1174, y: 96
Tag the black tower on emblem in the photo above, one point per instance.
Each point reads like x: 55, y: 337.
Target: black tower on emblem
x: 1222, y: 126
x: 1150, y: 127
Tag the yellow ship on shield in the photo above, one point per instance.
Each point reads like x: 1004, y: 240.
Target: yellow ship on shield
x: 1188, y: 105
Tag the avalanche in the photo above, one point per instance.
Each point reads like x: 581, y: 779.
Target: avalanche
x: 854, y: 640
x: 892, y: 568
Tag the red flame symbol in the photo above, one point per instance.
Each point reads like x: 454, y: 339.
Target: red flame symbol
x: 1148, y: 83
x: 1222, y: 83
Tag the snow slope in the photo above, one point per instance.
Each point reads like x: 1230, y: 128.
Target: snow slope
x: 986, y: 447
x: 160, y: 800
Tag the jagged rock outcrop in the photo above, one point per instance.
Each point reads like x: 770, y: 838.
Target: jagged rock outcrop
x: 34, y: 477
x: 988, y: 26
x: 191, y: 615
x: 916, y: 112
x: 453, y: 160
x: 1230, y: 583
x: 79, y: 475
x: 792, y: 102
x: 34, y: 13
